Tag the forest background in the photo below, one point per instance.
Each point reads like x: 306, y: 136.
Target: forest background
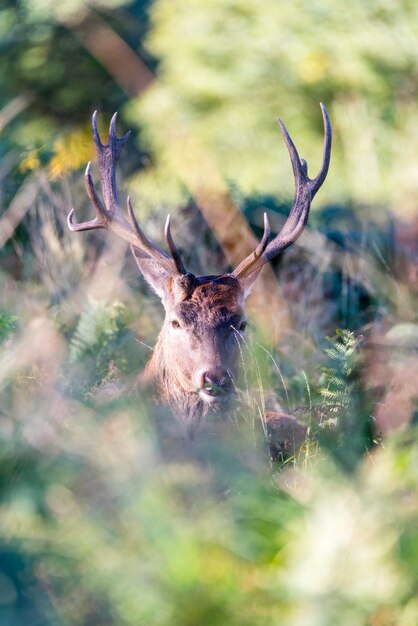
x: 104, y: 517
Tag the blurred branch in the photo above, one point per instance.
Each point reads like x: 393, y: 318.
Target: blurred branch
x: 17, y: 210
x: 13, y: 108
x: 360, y: 266
x: 40, y: 344
x: 23, y: 199
x: 122, y: 63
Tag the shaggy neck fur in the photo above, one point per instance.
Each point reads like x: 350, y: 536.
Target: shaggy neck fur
x: 171, y: 389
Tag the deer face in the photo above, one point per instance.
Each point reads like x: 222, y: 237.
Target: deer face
x: 204, y: 326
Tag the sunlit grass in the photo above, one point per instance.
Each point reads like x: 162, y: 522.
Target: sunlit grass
x: 118, y: 519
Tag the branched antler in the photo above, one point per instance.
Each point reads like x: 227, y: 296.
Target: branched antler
x: 305, y: 190
x: 108, y: 212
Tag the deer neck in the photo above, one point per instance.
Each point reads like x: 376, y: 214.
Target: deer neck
x: 170, y: 388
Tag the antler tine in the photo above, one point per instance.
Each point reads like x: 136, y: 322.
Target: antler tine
x: 147, y: 245
x: 91, y: 191
x: 326, y: 156
x: 96, y: 136
x: 247, y: 263
x: 173, y: 248
x: 75, y: 228
x: 305, y: 190
x: 116, y: 143
x: 107, y: 159
x: 299, y: 165
x: 100, y: 221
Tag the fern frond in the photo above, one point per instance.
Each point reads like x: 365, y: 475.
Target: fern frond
x: 337, y: 388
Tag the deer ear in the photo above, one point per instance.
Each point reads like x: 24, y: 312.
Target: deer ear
x: 152, y: 271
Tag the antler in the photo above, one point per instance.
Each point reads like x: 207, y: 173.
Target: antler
x: 108, y: 212
x: 305, y: 190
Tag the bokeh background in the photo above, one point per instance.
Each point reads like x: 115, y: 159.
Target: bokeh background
x: 108, y: 516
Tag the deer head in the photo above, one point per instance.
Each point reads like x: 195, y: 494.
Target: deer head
x: 195, y: 359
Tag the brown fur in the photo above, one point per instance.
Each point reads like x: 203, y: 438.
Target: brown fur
x: 285, y: 435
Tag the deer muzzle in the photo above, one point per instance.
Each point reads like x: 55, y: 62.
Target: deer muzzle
x: 215, y: 385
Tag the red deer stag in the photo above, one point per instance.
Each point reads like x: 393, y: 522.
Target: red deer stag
x: 194, y: 362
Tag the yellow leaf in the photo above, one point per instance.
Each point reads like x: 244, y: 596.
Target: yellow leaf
x: 71, y: 152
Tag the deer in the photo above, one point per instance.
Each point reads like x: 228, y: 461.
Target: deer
x: 194, y: 363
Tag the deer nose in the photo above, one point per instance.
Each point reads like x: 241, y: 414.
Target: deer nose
x: 217, y: 382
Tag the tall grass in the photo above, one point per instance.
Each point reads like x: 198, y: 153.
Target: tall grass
x: 109, y: 516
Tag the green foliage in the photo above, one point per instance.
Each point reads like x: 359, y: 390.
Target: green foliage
x: 102, y: 342
x: 337, y: 384
x: 97, y: 324
x: 142, y: 537
x: 7, y: 325
x: 242, y: 63
x: 344, y: 425
x: 44, y: 61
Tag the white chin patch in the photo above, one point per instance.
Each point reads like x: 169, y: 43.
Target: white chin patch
x: 209, y: 399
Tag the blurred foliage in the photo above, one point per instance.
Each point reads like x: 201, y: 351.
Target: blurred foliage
x: 100, y: 525
x: 239, y: 65
x: 7, y: 325
x: 102, y: 343
x: 337, y: 389
x: 70, y: 152
x: 243, y: 62
x: 107, y: 515
x: 344, y: 424
x: 43, y: 58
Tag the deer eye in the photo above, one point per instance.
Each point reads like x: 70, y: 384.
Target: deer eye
x: 242, y: 326
x: 175, y: 324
